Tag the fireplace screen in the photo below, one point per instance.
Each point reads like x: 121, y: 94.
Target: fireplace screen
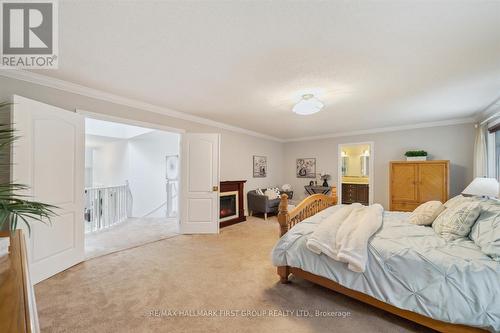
x: 228, y: 206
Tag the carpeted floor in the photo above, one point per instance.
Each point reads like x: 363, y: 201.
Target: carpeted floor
x: 131, y: 233
x: 138, y: 290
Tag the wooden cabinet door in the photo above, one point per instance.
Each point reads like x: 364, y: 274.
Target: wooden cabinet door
x: 433, y: 182
x: 363, y: 194
x: 348, y: 194
x: 404, y: 182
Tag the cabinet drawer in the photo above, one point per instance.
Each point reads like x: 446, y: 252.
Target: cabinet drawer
x: 404, y: 206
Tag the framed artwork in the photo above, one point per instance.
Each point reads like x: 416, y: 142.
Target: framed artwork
x: 306, y: 168
x: 172, y: 169
x: 259, y: 166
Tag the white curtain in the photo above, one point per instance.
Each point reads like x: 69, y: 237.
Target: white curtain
x: 480, y: 152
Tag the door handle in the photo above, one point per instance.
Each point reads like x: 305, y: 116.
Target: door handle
x: 215, y: 188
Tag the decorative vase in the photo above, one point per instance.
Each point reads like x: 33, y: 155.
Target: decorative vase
x: 416, y: 158
x: 325, y: 183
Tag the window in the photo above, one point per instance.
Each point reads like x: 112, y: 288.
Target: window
x: 493, y: 149
x: 497, y: 155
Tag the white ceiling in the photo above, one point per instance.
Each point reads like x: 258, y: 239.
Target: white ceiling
x: 373, y: 64
x: 113, y: 130
x: 97, y: 141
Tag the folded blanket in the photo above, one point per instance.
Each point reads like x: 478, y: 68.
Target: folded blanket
x: 344, y: 235
x: 354, y: 233
x: 323, y: 239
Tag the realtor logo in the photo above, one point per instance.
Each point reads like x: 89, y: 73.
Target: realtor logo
x: 29, y: 34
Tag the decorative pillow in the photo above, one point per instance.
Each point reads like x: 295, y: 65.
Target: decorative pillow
x: 426, y: 213
x: 456, y: 222
x: 259, y: 191
x: 275, y: 189
x: 457, y: 200
x: 486, y: 231
x: 271, y: 194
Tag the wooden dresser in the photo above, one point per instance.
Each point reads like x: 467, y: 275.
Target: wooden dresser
x: 413, y: 183
x: 352, y: 193
x: 17, y: 300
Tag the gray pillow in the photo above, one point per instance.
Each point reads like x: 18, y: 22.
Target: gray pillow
x: 486, y: 231
x: 456, y: 222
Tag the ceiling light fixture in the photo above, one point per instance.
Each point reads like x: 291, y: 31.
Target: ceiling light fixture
x: 308, y: 105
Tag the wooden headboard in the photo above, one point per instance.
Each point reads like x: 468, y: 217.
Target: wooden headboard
x: 308, y: 207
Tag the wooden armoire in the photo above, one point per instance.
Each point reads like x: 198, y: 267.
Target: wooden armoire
x: 415, y: 182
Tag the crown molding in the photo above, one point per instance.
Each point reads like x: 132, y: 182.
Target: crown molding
x: 74, y: 88
x: 490, y: 112
x: 387, y: 129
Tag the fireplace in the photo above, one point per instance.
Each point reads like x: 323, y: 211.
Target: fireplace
x: 231, y: 202
x: 228, y: 206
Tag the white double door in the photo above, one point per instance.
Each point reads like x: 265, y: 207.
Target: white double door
x: 49, y: 158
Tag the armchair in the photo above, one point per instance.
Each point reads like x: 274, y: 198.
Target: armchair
x: 261, y: 204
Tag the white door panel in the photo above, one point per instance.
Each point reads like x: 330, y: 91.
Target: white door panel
x: 200, y: 182
x: 49, y: 157
x: 200, y: 210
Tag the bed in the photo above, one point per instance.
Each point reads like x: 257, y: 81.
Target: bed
x: 411, y: 271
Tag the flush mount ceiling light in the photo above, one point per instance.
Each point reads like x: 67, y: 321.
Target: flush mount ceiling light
x: 308, y: 105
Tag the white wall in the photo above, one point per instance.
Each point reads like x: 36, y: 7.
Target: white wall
x: 237, y: 153
x: 147, y: 167
x: 454, y: 143
x: 110, y: 164
x: 140, y: 161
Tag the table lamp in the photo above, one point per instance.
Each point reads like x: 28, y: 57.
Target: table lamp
x: 484, y: 187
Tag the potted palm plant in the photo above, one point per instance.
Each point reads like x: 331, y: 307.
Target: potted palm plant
x: 14, y: 206
x: 416, y: 155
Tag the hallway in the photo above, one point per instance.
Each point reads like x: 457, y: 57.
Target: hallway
x: 131, y: 233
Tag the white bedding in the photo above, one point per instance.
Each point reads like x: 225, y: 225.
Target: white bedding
x: 410, y: 267
x: 343, y: 236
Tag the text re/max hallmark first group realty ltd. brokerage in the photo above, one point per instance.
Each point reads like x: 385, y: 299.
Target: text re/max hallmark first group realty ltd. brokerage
x: 246, y: 313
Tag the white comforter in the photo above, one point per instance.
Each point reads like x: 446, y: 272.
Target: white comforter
x: 409, y: 266
x: 343, y: 236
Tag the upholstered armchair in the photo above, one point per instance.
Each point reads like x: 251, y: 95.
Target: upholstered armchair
x: 261, y: 204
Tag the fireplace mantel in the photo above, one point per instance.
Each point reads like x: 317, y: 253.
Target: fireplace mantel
x: 234, y: 186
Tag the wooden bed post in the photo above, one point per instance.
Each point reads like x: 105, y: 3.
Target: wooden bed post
x: 283, y: 214
x: 334, y: 194
x: 283, y: 271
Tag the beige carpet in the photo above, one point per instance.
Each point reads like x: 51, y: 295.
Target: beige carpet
x: 131, y: 233
x: 230, y: 271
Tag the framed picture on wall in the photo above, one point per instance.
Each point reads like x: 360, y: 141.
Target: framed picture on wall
x: 259, y: 166
x: 172, y: 167
x: 306, y: 168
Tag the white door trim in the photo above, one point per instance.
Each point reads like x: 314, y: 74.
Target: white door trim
x: 371, y: 176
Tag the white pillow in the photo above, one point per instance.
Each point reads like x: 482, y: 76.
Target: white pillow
x: 456, y: 222
x: 271, y: 194
x: 486, y: 231
x: 259, y: 191
x: 275, y: 189
x: 457, y: 200
x: 426, y: 213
